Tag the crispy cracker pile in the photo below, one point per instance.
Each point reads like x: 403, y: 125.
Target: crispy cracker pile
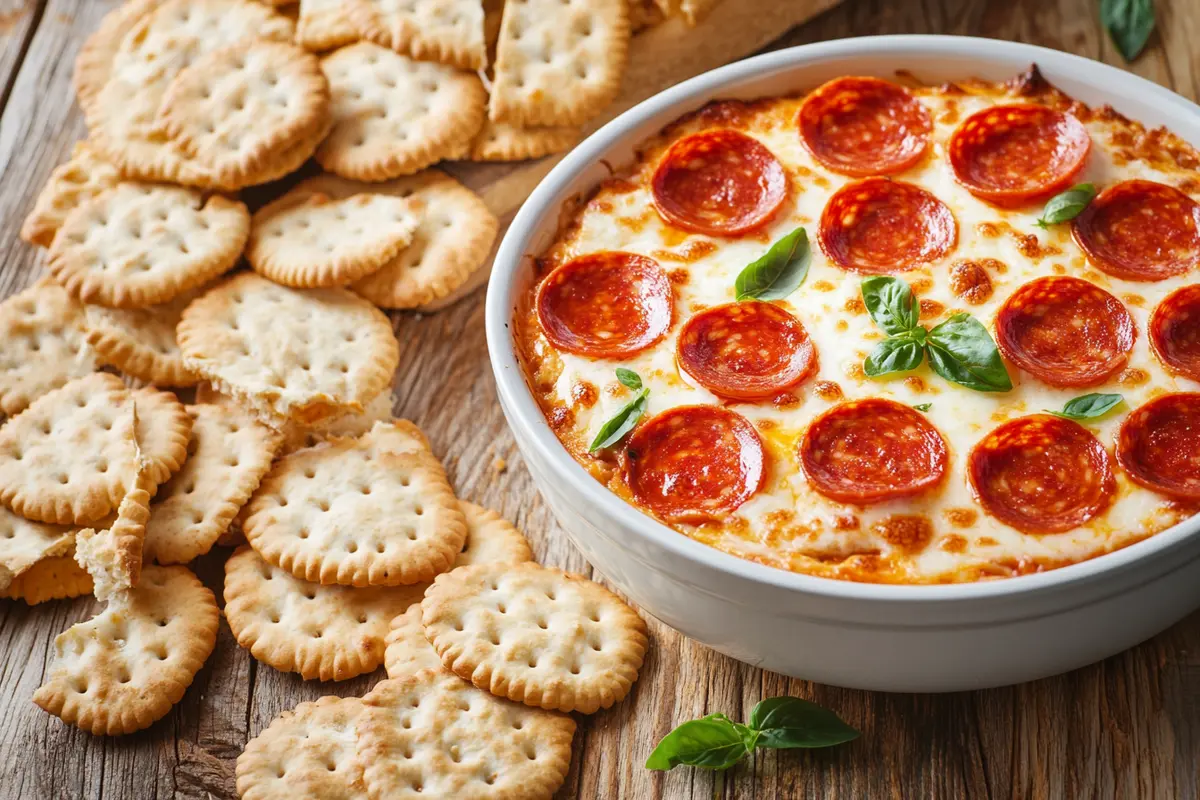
x: 161, y: 401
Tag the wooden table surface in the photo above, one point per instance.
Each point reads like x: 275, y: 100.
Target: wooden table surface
x: 1128, y: 727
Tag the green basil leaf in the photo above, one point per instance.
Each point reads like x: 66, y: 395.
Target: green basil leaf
x: 786, y: 722
x: 1089, y: 406
x: 962, y: 351
x: 1129, y: 23
x: 621, y: 423
x: 898, y: 353
x: 712, y: 742
x: 629, y: 379
x: 890, y: 303
x: 1067, y: 205
x: 778, y: 273
x: 923, y: 406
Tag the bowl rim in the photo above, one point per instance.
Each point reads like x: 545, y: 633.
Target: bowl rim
x: 527, y: 421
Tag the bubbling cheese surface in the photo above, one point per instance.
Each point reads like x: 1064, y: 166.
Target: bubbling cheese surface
x: 787, y: 524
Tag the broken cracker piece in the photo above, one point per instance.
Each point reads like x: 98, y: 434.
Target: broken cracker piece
x: 126, y: 667
x: 300, y: 354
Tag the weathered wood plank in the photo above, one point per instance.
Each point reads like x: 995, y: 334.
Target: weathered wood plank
x: 39, y: 124
x: 18, y: 21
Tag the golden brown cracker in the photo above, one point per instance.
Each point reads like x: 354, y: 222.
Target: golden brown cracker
x: 394, y: 116
x: 446, y: 31
x: 141, y: 341
x: 558, y: 63
x: 45, y: 347
x: 451, y: 244
x: 126, y: 667
x: 434, y: 735
x: 301, y: 354
x: 308, y: 238
x: 83, y: 176
x: 503, y: 141
x: 308, y: 752
x: 536, y: 635
x: 357, y: 512
x: 137, y: 244
x: 328, y: 633
x: 54, y: 578
x: 232, y: 109
x: 228, y: 453
x: 68, y: 457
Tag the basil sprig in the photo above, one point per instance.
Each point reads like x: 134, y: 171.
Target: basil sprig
x: 1089, y: 406
x: 1129, y: 23
x: 779, y: 272
x: 623, y: 421
x: 960, y: 349
x: 1066, y: 206
x: 923, y: 406
x: 777, y: 723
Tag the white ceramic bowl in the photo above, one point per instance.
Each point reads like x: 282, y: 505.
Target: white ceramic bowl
x: 891, y: 638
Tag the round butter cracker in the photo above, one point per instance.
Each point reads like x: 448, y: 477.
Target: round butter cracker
x: 536, y: 635
x: 137, y: 244
x: 232, y: 108
x: 141, y: 341
x: 309, y: 238
x: 394, y: 116
x: 68, y: 457
x: 328, y: 633
x: 434, y: 735
x: 306, y: 752
x: 357, y: 512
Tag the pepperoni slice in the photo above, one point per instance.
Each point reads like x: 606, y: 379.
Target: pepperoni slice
x: 746, y: 351
x: 1175, y: 331
x: 694, y: 463
x: 1041, y: 474
x: 869, y: 451
x: 864, y: 126
x: 1159, y: 445
x: 605, y: 305
x: 720, y: 183
x: 1140, y: 231
x: 1011, y: 155
x: 877, y: 226
x: 1066, y: 331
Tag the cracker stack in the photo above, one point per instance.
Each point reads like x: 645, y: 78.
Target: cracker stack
x: 358, y: 555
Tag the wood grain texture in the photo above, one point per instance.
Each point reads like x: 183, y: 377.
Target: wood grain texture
x: 1128, y: 727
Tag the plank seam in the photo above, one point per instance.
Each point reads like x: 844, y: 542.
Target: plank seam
x: 27, y: 39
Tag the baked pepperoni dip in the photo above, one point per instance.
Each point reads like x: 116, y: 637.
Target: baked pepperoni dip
x: 885, y: 332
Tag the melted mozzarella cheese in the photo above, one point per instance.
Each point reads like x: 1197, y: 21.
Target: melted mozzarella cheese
x: 788, y: 524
